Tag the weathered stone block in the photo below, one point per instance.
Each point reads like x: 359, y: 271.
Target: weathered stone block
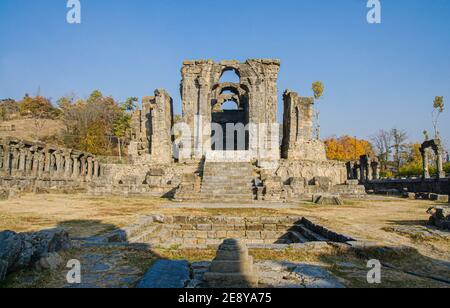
x: 204, y: 227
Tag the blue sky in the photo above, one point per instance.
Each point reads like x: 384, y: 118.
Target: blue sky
x: 376, y: 76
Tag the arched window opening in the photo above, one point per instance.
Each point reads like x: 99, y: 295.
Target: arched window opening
x: 230, y: 75
x: 230, y: 105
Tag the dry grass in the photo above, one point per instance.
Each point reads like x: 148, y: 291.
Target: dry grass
x: 376, y: 221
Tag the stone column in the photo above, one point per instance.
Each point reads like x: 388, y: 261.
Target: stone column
x: 47, y: 161
x: 358, y: 173
x: 376, y: 170
x: 35, y: 163
x: 83, y: 166
x: 369, y: 171
x: 90, y: 166
x: 439, y: 164
x: 96, y: 168
x: 7, y: 159
x: 41, y: 162
x: 68, y: 165
x: 28, y: 161
x: 76, y: 167
x: 426, y: 170
x: 22, y: 160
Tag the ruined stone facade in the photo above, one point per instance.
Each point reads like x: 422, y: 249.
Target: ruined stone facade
x: 256, y: 96
x: 26, y: 165
x: 152, y: 130
x: 298, y: 141
x: 204, y: 165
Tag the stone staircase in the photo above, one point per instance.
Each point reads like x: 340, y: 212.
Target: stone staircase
x: 230, y: 182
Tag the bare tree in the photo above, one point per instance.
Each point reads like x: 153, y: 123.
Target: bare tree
x: 382, y: 142
x: 399, y: 139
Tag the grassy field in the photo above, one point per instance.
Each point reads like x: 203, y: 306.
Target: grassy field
x: 387, y: 222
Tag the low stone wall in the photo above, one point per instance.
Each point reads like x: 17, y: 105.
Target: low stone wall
x: 207, y: 232
x: 334, y: 170
x: 437, y: 186
x: 27, y: 166
x: 146, y: 180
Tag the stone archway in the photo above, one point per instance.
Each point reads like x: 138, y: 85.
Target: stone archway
x: 229, y: 126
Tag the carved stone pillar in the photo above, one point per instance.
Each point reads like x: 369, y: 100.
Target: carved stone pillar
x: 439, y: 164
x: 76, y: 166
x: 96, y: 168
x: 35, y: 163
x: 41, y: 163
x: 426, y: 170
x: 83, y: 166
x: 22, y: 160
x: 90, y: 167
x: 68, y: 164
x: 28, y: 161
x: 7, y: 159
x: 376, y: 170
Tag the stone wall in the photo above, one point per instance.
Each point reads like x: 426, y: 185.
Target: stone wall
x: 211, y: 231
x: 309, y: 169
x: 298, y: 140
x: 29, y: 165
x: 437, y: 186
x: 145, y: 180
x: 152, y: 130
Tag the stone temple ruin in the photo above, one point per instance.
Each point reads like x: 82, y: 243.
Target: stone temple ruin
x: 226, y: 155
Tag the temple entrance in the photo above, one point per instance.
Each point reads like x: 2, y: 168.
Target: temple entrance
x: 229, y: 114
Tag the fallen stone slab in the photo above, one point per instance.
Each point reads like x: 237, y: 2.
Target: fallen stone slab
x: 166, y: 274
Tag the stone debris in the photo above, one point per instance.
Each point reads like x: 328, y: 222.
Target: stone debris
x: 50, y: 262
x: 232, y: 267
x: 440, y: 217
x: 23, y: 250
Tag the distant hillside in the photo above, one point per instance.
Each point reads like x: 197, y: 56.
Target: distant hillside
x: 28, y: 129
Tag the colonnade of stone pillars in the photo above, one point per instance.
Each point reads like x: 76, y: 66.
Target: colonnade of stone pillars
x: 28, y: 159
x: 366, y: 169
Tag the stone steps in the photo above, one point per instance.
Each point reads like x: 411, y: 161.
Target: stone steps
x: 230, y: 182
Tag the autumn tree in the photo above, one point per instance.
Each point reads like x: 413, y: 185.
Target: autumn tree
x: 347, y: 148
x: 90, y: 124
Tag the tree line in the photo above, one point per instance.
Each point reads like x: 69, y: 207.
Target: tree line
x: 99, y: 124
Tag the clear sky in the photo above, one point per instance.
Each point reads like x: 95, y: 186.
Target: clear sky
x: 376, y: 76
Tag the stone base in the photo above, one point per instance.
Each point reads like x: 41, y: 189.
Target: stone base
x: 230, y: 280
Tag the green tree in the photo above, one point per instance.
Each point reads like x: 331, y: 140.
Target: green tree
x: 318, y: 89
x: 438, y: 109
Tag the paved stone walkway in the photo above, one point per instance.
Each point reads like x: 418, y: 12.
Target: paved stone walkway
x: 107, y: 270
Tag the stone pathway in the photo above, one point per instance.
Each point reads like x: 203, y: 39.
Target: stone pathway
x: 107, y: 270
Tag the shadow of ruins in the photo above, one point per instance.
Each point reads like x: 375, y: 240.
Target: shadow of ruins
x: 103, y: 263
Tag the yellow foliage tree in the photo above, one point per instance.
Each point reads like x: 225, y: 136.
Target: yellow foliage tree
x: 347, y: 148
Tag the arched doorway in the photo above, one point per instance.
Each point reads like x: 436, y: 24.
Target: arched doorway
x: 229, y: 116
